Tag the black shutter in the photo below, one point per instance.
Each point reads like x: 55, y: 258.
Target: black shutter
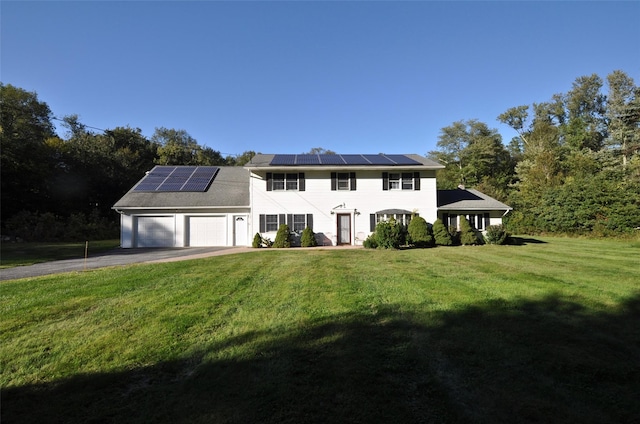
x: 334, y: 182
x: 263, y: 223
x: 301, y: 181
x: 385, y: 181
x: 269, y: 178
x: 310, y: 221
x: 281, y: 219
x: 372, y: 222
x: 487, y: 221
x: 290, y: 221
x: 445, y: 219
x: 416, y: 181
x: 352, y: 176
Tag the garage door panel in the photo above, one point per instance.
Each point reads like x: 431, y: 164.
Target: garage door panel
x: 155, y: 231
x: 207, y: 231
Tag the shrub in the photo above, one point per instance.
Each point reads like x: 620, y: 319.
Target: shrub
x: 441, y: 235
x: 308, y: 238
x: 283, y: 237
x: 389, y: 234
x: 496, y: 234
x: 420, y: 233
x: 370, y: 242
x: 257, y: 241
x: 468, y: 235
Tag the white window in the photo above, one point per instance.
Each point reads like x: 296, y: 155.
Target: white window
x: 407, y: 181
x: 271, y: 222
x: 299, y: 223
x: 403, y: 218
x: 394, y: 181
x: 343, y: 181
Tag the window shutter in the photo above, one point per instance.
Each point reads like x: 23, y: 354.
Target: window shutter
x: 310, y: 221
x: 487, y: 221
x: 301, y: 181
x: 263, y: 223
x: 269, y: 178
x: 416, y: 181
x: 281, y: 219
x: 372, y: 222
x: 352, y: 176
x: 385, y: 181
x: 445, y: 219
x: 290, y: 220
x: 334, y: 181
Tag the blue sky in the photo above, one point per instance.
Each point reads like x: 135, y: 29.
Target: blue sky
x: 284, y: 77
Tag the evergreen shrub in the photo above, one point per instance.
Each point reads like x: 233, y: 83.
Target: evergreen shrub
x: 468, y: 235
x: 390, y: 234
x: 441, y: 235
x: 370, y: 242
x: 420, y: 232
x: 257, y: 241
x: 283, y: 237
x: 308, y: 238
x: 496, y: 234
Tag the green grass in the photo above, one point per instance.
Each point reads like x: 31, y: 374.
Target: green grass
x: 543, y: 332
x: 19, y: 254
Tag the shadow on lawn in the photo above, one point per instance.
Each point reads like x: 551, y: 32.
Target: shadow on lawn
x: 549, y: 360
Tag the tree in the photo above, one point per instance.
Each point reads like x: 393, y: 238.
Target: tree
x: 319, y: 151
x: 585, y: 110
x: 623, y: 113
x: 25, y: 163
x: 177, y: 147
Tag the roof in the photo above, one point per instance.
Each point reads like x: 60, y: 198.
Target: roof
x: 309, y: 161
x: 468, y: 199
x: 230, y: 188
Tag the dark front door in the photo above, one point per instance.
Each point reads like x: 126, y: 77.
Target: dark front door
x: 344, y: 228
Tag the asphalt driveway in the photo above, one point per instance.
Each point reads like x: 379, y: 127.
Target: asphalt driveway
x: 116, y: 257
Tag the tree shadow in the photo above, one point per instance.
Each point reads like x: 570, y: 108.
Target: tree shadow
x: 548, y: 360
x: 522, y: 241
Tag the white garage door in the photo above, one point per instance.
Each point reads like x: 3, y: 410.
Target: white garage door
x: 207, y: 231
x: 155, y: 231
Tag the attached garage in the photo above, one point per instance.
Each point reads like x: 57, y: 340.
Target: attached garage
x: 154, y: 231
x: 206, y: 231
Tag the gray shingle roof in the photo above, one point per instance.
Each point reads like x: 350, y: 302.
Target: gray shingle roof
x: 468, y: 199
x: 230, y: 188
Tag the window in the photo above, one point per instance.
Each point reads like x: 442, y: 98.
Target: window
x: 394, y: 181
x: 407, y: 181
x: 296, y: 222
x: 403, y: 218
x: 271, y: 223
x: 280, y: 181
x: 401, y: 181
x: 343, y: 181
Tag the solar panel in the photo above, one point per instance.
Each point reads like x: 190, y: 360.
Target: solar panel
x: 378, y: 159
x: 402, y: 160
x: 283, y: 160
x: 331, y: 159
x: 355, y: 160
x: 307, y: 160
x: 178, y: 178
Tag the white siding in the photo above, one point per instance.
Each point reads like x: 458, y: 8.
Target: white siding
x: 318, y: 199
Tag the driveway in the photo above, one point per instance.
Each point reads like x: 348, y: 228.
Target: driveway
x: 116, y: 257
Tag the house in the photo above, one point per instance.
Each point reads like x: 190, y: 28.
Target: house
x: 340, y: 197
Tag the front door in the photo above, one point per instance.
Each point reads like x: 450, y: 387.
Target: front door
x: 344, y: 228
x: 240, y: 231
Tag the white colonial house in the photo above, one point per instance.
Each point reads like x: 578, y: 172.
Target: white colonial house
x: 340, y: 197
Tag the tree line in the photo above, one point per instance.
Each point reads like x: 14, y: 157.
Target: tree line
x: 573, y: 167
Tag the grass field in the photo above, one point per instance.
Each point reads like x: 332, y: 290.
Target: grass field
x: 19, y: 254
x: 548, y: 331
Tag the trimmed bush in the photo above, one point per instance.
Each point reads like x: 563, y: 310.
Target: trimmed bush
x: 496, y: 234
x: 257, y: 241
x: 283, y: 237
x: 389, y: 234
x: 370, y: 242
x: 308, y: 238
x: 420, y: 233
x: 468, y: 235
x: 441, y: 235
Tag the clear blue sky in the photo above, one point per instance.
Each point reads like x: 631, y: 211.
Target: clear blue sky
x: 283, y: 77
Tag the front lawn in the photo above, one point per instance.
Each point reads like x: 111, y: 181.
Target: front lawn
x: 548, y: 331
x: 29, y: 253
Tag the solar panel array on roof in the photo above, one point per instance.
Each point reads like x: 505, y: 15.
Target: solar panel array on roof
x: 325, y: 159
x: 178, y: 178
